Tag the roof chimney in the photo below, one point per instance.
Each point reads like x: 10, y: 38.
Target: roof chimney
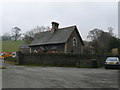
x: 54, y: 26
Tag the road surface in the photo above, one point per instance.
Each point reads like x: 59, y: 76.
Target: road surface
x: 58, y: 77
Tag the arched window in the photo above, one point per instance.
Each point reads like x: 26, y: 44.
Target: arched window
x: 74, y: 41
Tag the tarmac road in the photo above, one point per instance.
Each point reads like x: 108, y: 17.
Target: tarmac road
x: 58, y: 77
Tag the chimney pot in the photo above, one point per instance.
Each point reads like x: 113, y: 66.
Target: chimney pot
x: 54, y: 26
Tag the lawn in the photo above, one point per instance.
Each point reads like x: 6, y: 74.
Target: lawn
x: 11, y: 46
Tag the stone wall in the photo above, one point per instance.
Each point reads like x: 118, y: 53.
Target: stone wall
x: 83, y: 60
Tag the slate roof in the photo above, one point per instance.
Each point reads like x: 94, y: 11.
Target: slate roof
x: 60, y: 35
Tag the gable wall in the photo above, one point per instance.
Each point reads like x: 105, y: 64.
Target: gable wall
x: 69, y: 45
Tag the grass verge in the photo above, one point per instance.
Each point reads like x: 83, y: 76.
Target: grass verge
x: 8, y: 62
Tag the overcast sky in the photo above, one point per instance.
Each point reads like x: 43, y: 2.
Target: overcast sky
x: 85, y: 15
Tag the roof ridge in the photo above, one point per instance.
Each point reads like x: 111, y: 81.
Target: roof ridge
x: 67, y: 27
x: 43, y: 32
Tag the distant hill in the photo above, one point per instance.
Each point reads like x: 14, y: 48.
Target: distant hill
x: 11, y: 46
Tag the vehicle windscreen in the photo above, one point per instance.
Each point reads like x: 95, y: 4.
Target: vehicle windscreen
x: 111, y: 59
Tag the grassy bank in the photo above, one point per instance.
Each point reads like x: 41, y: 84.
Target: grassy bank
x: 11, y: 46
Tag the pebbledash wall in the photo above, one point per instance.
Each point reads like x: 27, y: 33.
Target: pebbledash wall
x: 82, y: 60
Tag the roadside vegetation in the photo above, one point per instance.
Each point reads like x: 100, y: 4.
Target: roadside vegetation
x: 101, y: 41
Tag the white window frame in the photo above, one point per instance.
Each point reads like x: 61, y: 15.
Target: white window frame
x: 74, y: 41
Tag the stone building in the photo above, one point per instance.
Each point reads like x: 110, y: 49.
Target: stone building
x: 58, y: 40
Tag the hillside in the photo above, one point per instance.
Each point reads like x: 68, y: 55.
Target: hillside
x: 11, y: 46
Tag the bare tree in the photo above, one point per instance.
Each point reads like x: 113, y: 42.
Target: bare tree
x: 38, y: 29
x: 110, y: 29
x: 29, y: 35
x: 16, y: 33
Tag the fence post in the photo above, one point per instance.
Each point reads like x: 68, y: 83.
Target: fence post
x: 19, y: 58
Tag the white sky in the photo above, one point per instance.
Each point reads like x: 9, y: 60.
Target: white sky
x: 85, y: 15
